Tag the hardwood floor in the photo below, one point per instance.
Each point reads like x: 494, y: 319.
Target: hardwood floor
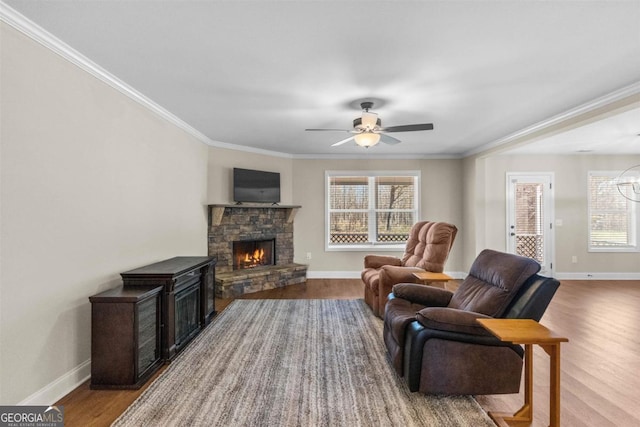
x: 600, y: 381
x: 600, y: 363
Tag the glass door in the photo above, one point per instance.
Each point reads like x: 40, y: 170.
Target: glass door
x: 529, y: 217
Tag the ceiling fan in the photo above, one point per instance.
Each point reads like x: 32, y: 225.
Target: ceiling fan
x: 368, y: 130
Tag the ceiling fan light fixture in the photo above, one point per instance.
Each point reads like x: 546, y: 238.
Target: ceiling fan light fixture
x: 368, y: 131
x: 628, y: 183
x: 369, y: 120
x: 367, y: 139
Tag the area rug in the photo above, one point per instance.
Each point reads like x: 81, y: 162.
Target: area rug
x: 292, y: 363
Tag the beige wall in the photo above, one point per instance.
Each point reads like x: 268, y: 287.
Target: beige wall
x: 92, y: 184
x: 220, y: 176
x: 570, y: 175
x: 441, y: 200
x: 472, y: 190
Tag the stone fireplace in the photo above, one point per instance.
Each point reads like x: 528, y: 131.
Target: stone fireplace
x: 264, y: 235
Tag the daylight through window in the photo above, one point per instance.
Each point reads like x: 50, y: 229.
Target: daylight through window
x: 378, y: 208
x: 613, y: 219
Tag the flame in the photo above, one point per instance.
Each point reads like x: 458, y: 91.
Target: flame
x: 254, y: 259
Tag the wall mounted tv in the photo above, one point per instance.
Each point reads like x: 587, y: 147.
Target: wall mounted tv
x: 255, y: 186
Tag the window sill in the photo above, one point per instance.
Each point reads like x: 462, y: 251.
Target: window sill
x: 366, y: 248
x: 614, y: 250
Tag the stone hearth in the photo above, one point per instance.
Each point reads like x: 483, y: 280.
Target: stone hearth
x: 229, y: 223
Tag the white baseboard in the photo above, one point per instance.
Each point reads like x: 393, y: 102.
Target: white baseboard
x: 459, y: 275
x: 356, y: 274
x: 333, y: 274
x: 597, y: 276
x: 56, y: 390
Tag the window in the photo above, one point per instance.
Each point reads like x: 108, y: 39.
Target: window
x: 613, y: 219
x: 370, y: 208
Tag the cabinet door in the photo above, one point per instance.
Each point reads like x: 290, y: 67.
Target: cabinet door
x: 209, y: 295
x: 148, y: 333
x: 187, y: 314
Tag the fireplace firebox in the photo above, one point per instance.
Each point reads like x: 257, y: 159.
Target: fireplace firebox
x: 253, y: 253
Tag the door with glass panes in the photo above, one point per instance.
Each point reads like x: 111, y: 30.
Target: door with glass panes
x: 529, y: 217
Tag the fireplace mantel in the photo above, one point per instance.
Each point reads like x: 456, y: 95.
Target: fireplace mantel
x: 217, y: 211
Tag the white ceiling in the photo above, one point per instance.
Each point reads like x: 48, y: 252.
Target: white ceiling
x: 257, y: 73
x: 617, y: 134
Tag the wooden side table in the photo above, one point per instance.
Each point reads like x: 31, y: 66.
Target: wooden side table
x: 429, y: 277
x: 530, y: 332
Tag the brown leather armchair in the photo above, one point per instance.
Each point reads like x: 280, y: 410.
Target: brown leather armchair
x: 434, y: 341
x: 427, y: 249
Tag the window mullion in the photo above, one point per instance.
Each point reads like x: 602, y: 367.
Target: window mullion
x: 372, y: 209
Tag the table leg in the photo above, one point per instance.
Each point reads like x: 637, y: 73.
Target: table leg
x: 553, y: 350
x: 524, y: 414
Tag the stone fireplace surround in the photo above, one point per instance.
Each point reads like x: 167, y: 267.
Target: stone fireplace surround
x: 229, y: 223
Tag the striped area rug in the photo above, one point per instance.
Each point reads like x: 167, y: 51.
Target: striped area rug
x: 292, y: 363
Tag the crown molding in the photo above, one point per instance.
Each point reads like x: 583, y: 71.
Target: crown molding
x: 367, y: 156
x: 32, y: 30
x: 601, y: 102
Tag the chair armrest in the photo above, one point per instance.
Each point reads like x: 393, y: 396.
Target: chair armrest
x: 423, y: 295
x: 452, y: 320
x: 392, y: 274
x: 377, y: 261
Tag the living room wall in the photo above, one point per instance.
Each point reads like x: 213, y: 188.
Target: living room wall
x: 571, y: 239
x: 92, y: 184
x: 302, y: 182
x: 441, y: 200
x: 221, y: 162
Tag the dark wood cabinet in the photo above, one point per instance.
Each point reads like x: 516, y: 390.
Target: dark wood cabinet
x: 159, y: 309
x: 188, y: 297
x: 125, y: 336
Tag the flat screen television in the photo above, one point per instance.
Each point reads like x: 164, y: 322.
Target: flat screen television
x: 255, y: 186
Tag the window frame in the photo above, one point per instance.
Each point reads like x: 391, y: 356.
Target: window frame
x: 371, y: 175
x: 633, y: 218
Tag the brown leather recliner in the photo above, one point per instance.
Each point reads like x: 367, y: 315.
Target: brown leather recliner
x: 427, y: 249
x: 434, y: 341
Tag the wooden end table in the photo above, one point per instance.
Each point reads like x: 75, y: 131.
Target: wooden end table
x: 530, y: 332
x: 428, y: 277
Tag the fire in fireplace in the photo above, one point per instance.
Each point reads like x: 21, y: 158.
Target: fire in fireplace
x: 253, y: 253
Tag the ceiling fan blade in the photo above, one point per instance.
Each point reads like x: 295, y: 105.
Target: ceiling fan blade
x: 342, y: 142
x: 408, y: 128
x: 389, y: 139
x: 330, y: 130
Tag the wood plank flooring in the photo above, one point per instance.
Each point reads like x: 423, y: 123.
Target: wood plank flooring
x: 600, y: 363
x: 600, y: 383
